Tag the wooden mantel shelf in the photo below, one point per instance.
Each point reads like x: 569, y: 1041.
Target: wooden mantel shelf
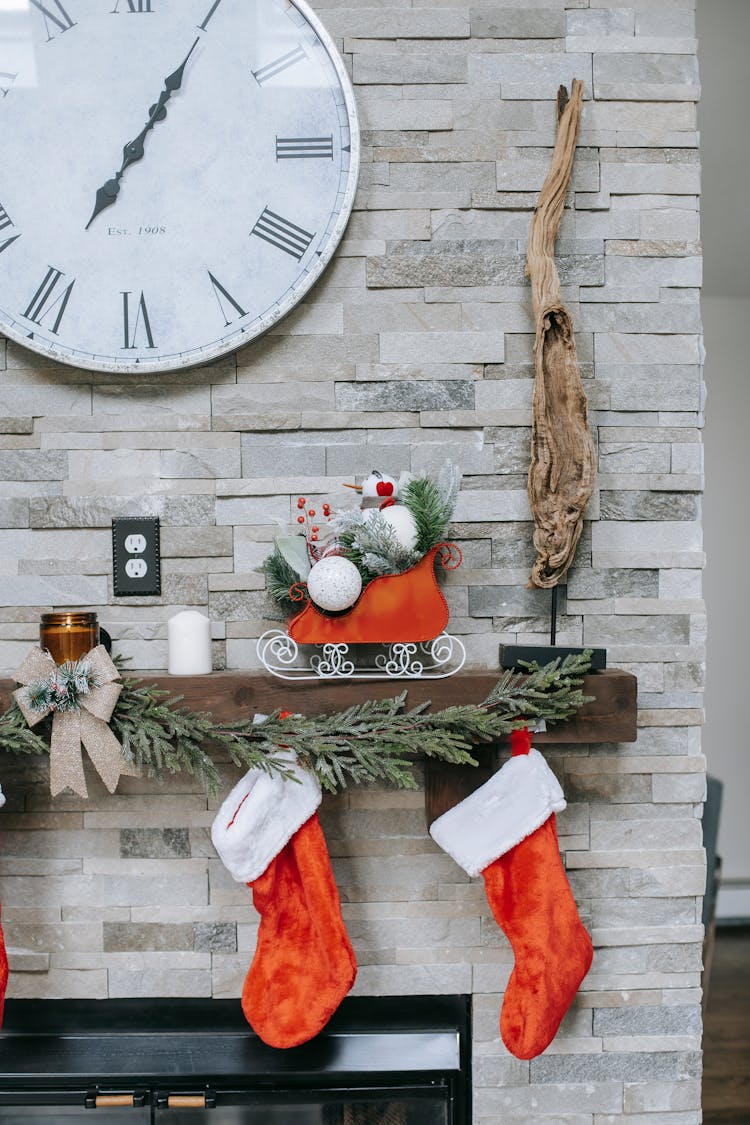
x: 231, y: 695
x: 610, y: 717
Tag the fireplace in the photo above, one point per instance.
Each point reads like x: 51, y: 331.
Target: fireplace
x: 380, y: 1061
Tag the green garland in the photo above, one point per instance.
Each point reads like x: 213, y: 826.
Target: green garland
x: 372, y: 741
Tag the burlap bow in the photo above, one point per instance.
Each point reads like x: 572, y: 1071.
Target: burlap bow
x: 88, y: 725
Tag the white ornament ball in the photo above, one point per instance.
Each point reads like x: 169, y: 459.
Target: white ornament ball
x: 403, y: 524
x: 334, y: 583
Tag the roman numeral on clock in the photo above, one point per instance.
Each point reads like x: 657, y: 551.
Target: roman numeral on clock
x: 282, y: 234
x: 131, y: 327
x: 134, y: 6
x: 219, y: 289
x: 5, y: 222
x: 283, y: 62
x: 6, y: 77
x: 59, y: 17
x: 49, y: 298
x: 304, y: 148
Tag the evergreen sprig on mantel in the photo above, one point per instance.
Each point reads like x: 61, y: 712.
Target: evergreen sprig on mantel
x: 377, y: 740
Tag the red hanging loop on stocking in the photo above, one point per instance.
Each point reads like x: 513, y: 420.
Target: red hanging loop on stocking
x: 520, y: 741
x: 3, y: 974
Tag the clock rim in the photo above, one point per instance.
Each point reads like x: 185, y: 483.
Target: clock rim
x: 279, y: 309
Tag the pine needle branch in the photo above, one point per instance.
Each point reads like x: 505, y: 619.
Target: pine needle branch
x: 17, y: 737
x: 280, y: 577
x: 377, y: 740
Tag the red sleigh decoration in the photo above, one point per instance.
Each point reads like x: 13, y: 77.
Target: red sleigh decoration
x: 406, y: 612
x: 392, y: 608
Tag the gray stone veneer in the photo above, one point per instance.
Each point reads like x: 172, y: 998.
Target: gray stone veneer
x: 415, y: 345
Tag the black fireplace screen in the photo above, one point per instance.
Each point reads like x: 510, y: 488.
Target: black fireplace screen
x: 380, y: 1061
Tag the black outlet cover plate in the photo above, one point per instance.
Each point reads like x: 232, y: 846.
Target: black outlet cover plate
x: 125, y: 584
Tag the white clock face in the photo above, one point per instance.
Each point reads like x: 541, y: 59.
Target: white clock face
x: 175, y: 174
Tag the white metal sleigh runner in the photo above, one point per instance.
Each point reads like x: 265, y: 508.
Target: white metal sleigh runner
x: 396, y: 630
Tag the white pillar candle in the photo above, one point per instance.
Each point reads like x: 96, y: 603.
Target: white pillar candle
x: 189, y: 644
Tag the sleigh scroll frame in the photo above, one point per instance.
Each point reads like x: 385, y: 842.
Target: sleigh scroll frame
x: 395, y: 631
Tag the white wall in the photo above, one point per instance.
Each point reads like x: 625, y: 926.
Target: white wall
x: 727, y: 530
x: 724, y: 35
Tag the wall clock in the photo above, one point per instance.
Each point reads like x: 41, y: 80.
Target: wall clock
x: 176, y: 174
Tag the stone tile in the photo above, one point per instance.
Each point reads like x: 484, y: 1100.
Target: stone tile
x: 601, y: 21
x: 215, y: 937
x: 641, y: 505
x: 667, y: 834
x: 17, y: 399
x: 651, y: 386
x: 427, y: 395
x: 614, y: 582
x: 32, y: 464
x: 508, y: 22
x: 506, y: 601
x: 195, y: 542
x: 253, y: 510
x: 446, y: 262
x: 205, y: 463
x: 651, y: 1020
x: 159, y: 982
x: 297, y: 456
x: 527, y: 171
x: 442, y: 347
x: 645, y: 77
x: 400, y: 113
x: 126, y: 937
x: 562, y: 1096
x: 59, y: 984
x: 27, y: 960
x: 385, y: 68
x: 665, y: 1097
x: 70, y: 590
x: 228, y: 975
x: 633, y: 1066
x: 14, y: 512
x: 412, y: 980
x: 16, y: 425
x: 154, y: 843
x: 522, y: 76
x: 180, y: 511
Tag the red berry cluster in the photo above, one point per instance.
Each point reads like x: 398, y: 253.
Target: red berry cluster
x: 311, y: 530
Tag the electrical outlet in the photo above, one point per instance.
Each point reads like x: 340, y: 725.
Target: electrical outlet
x: 136, y: 562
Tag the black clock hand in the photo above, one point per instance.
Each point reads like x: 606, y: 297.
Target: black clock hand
x: 134, y: 150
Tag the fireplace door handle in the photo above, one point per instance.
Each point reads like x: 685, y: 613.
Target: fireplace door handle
x: 97, y: 1100
x: 206, y: 1099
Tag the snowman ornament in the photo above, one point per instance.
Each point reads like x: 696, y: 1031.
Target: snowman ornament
x: 380, y: 494
x: 378, y: 491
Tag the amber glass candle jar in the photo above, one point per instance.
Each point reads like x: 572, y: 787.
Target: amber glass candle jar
x: 69, y: 635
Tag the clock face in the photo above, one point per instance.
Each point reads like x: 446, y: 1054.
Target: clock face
x: 175, y: 174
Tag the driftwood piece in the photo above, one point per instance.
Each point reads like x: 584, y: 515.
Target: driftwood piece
x: 563, y: 458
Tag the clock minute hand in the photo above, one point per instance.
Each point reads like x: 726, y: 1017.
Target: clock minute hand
x: 134, y: 150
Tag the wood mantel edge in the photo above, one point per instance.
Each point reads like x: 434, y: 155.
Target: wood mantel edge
x: 610, y: 717
x: 231, y: 695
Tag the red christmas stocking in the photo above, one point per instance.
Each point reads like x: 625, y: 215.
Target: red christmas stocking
x: 3, y: 974
x: 506, y: 830
x: 3, y: 954
x: 268, y: 834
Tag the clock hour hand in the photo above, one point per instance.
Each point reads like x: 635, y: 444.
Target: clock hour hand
x: 134, y: 150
